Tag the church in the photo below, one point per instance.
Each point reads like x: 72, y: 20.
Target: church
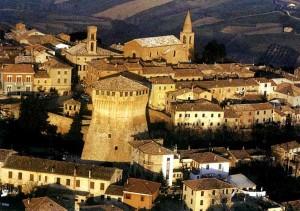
x: 168, y: 48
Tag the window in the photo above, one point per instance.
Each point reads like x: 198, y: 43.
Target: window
x: 10, y: 174
x: 265, y: 112
x: 184, y: 187
x: 58, y: 72
x: 174, y: 54
x: 184, y: 40
x: 201, y: 202
x: 220, y: 166
x: 92, y: 185
x: 116, y: 148
x: 109, y: 135
x: 97, y: 92
x: 28, y: 78
x: 207, y: 166
x: 58, y: 180
x: 58, y: 81
x: 212, y: 115
x: 266, y: 85
x: 65, y: 80
x: 142, y: 198
x: 68, y: 182
x: 19, y: 79
x: 196, y: 115
x: 191, y: 201
x: 101, y: 186
x: 180, y: 115
x: 9, y: 78
x: 257, y: 112
x: 212, y: 201
x: 213, y: 192
x: 46, y: 178
x: 202, y: 193
x: 19, y: 175
x: 192, y: 192
x: 78, y: 183
x: 31, y: 177
x: 203, y: 115
x: 127, y: 196
x: 219, y: 115
x: 65, y: 72
x: 40, y: 177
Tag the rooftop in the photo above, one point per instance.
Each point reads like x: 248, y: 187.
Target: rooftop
x: 208, y: 157
x: 114, y: 190
x: 81, y: 50
x: 207, y: 184
x: 162, y: 80
x: 27, y: 163
x: 118, y: 83
x: 199, y: 105
x: 42, y: 203
x: 141, y: 186
x: 18, y: 68
x: 160, y: 41
x: 150, y: 147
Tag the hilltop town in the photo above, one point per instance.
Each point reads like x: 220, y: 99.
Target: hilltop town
x: 142, y: 126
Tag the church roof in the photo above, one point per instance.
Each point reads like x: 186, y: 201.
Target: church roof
x: 158, y: 41
x: 187, y: 26
x: 118, y: 83
x: 81, y: 50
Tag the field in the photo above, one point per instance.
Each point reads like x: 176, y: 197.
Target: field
x: 246, y: 27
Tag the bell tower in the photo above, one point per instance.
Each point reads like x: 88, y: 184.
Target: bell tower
x: 91, y: 40
x: 187, y: 36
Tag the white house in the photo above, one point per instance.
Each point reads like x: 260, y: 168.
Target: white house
x: 209, y: 164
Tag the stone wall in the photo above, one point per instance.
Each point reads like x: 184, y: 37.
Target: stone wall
x: 63, y: 123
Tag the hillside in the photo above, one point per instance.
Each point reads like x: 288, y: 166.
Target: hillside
x: 247, y: 27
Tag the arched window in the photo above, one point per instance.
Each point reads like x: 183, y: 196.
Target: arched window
x: 92, y: 46
x: 184, y: 39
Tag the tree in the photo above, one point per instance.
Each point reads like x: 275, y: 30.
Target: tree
x: 33, y: 116
x: 214, y: 52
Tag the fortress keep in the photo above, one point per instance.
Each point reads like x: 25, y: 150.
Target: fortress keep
x: 119, y: 116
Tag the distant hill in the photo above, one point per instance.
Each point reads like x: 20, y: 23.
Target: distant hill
x: 247, y: 27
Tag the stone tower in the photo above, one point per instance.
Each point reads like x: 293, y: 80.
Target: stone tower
x: 187, y: 36
x: 119, y: 116
x: 91, y: 40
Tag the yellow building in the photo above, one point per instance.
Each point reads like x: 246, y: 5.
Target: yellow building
x: 250, y: 114
x: 199, y: 114
x: 186, y: 94
x: 207, y: 193
x: 159, y: 87
x: 153, y: 158
x: 71, y: 107
x: 42, y: 82
x: 168, y: 48
x: 29, y: 172
x: 60, y: 75
x: 87, y: 50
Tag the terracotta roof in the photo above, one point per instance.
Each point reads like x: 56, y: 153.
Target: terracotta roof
x: 150, y: 147
x: 288, y: 89
x: 179, y: 92
x: 141, y: 186
x: 42, y: 203
x: 157, y: 70
x: 80, y: 50
x: 240, y: 154
x: 162, y: 80
x: 188, y: 73
x: 107, y: 65
x: 207, y: 184
x: 230, y: 113
x: 4, y: 153
x: 220, y: 83
x: 265, y: 80
x: 251, y: 107
x: 118, y: 83
x: 208, y: 157
x: 199, y: 105
x: 114, y: 190
x: 58, y: 167
x: 18, y: 68
x: 150, y: 42
x: 55, y: 63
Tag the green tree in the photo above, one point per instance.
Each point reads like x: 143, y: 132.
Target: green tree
x: 214, y: 52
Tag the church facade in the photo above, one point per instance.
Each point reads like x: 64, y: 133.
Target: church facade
x: 168, y: 48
